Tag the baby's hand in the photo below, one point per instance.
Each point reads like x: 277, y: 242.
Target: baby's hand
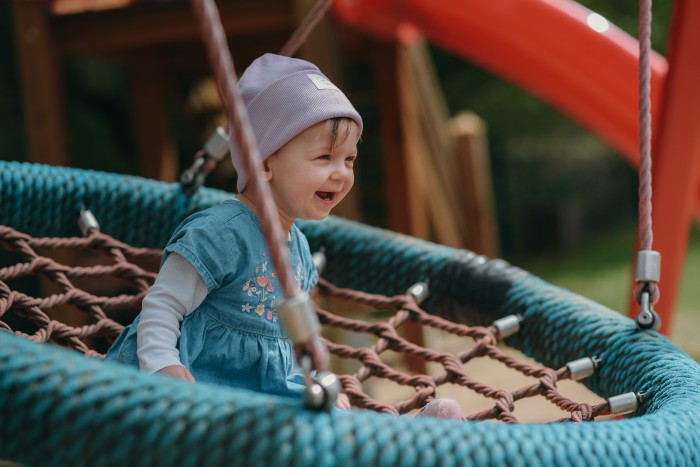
x: 177, y: 371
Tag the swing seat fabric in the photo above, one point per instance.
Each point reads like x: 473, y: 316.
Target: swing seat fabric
x: 58, y: 407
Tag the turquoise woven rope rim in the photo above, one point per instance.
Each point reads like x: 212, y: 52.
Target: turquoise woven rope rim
x: 59, y: 408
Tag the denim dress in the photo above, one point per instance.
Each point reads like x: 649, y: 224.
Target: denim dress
x: 234, y: 337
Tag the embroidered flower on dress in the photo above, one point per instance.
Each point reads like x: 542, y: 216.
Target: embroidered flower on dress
x: 262, y: 280
x: 263, y: 289
x: 249, y: 288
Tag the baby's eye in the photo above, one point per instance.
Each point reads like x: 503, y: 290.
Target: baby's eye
x: 324, y: 157
x: 350, y: 159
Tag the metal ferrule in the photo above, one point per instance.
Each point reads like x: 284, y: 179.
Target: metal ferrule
x: 298, y: 319
x: 419, y: 291
x: 87, y: 222
x: 217, y: 144
x: 507, y: 326
x: 581, y: 368
x: 320, y: 261
x: 623, y: 404
x: 648, y: 266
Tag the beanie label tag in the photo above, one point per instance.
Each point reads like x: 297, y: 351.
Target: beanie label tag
x: 321, y: 82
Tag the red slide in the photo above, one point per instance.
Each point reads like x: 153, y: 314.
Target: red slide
x: 556, y: 49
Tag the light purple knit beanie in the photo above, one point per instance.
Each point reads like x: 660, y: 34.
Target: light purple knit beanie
x: 285, y: 96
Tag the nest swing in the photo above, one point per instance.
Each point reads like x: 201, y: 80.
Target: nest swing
x: 60, y: 407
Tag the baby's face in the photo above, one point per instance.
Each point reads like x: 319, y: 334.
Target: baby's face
x: 308, y: 178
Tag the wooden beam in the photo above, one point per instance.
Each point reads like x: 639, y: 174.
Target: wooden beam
x: 158, y: 23
x: 41, y: 82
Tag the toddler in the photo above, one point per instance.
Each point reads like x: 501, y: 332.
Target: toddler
x: 211, y: 314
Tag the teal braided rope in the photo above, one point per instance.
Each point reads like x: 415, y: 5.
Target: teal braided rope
x: 59, y: 408
x: 42, y: 200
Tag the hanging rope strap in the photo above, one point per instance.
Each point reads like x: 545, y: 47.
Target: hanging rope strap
x: 648, y: 270
x: 296, y: 312
x: 299, y: 36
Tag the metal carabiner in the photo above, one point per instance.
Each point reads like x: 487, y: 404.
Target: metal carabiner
x: 322, y: 387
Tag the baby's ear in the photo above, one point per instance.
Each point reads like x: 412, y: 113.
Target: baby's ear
x: 267, y: 170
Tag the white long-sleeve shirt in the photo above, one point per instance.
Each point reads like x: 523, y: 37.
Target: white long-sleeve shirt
x: 177, y: 291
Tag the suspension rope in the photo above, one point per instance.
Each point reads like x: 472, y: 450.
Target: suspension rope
x: 646, y: 235
x: 646, y: 290
x: 299, y: 36
x: 241, y: 134
x: 298, y: 316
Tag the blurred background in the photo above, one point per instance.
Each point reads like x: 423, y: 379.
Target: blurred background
x: 551, y: 197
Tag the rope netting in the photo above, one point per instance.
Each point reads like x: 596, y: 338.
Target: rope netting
x: 384, y: 316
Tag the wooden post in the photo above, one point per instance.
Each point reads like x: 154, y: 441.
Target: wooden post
x: 404, y: 213
x: 469, y: 133
x: 430, y: 147
x: 41, y: 80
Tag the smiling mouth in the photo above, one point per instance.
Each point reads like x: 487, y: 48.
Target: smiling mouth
x: 326, y: 196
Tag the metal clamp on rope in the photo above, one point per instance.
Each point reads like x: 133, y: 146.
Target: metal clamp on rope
x: 300, y: 324
x: 582, y: 368
x: 648, y: 271
x: 87, y: 222
x: 419, y: 292
x: 508, y: 325
x: 298, y: 319
x: 624, y: 403
x: 216, y: 149
x: 320, y: 260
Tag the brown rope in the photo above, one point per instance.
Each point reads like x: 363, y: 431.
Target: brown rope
x: 396, y: 311
x: 302, y: 32
x: 404, y: 309
x: 37, y: 310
